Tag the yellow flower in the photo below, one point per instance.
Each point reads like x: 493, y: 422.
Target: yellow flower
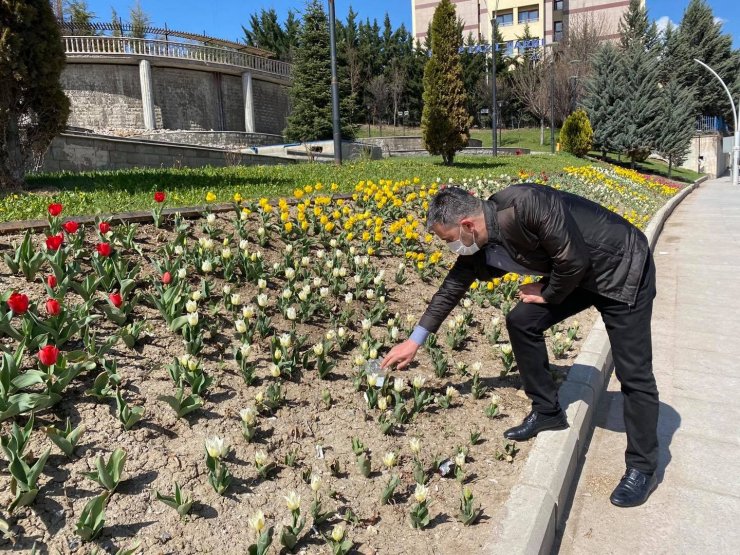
x: 298, y: 193
x: 288, y: 226
x: 237, y: 197
x: 210, y: 197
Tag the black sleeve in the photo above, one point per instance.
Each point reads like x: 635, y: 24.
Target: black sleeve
x: 545, y: 214
x: 459, y: 279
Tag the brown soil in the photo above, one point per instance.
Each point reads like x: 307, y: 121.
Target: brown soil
x: 163, y: 449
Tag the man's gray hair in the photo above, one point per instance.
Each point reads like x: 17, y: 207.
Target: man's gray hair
x: 451, y: 205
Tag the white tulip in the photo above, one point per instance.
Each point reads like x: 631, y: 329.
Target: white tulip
x: 262, y: 300
x: 236, y: 299
x: 289, y: 273
x: 211, y: 218
x: 288, y: 248
x: 315, y: 483
x: 207, y: 267
x: 248, y: 416
x: 293, y: 501
x: 246, y: 350
x: 415, y: 444
x: 419, y: 382
x: 390, y: 459
x: 193, y: 319
x: 216, y: 447
x: 421, y: 493
x: 179, y: 250
x: 476, y: 367
x: 196, y: 296
x: 248, y: 311
x: 348, y: 298
x: 182, y: 273
x: 366, y: 324
x: 191, y: 306
x: 244, y: 245
x: 290, y: 313
x: 399, y: 385
x: 241, y: 327
x: 324, y: 291
x: 261, y: 283
x: 226, y: 253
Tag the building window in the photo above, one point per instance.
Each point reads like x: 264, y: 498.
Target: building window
x: 557, y: 30
x: 504, y: 19
x: 558, y: 4
x: 529, y: 15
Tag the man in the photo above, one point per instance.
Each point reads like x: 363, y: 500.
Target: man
x: 588, y: 256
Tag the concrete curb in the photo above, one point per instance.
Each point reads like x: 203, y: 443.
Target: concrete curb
x: 532, y: 514
x: 141, y: 216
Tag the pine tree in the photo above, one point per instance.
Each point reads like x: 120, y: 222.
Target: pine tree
x: 116, y: 22
x: 703, y: 40
x: 79, y: 14
x: 140, y: 20
x: 603, y: 94
x: 676, y: 116
x: 445, y: 121
x: 311, y: 116
x: 638, y: 105
x: 33, y: 106
x: 635, y: 27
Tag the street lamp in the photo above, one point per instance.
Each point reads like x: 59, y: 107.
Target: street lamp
x: 735, y: 170
x: 552, y: 46
x: 498, y: 123
x: 494, y: 119
x: 335, y: 87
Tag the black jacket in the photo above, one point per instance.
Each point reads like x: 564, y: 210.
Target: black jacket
x: 571, y: 240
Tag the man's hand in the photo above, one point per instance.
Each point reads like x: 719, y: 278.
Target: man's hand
x: 401, y: 355
x: 531, y: 293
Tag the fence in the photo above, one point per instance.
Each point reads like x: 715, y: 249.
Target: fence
x: 91, y: 45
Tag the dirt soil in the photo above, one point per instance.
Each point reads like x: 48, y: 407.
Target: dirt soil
x: 163, y: 449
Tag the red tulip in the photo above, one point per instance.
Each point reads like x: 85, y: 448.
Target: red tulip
x: 104, y: 249
x: 48, y: 355
x: 104, y: 227
x: 18, y: 303
x: 51, y: 281
x: 159, y: 196
x: 116, y: 299
x: 53, y: 242
x: 167, y: 278
x: 55, y: 209
x: 53, y: 307
x: 71, y: 226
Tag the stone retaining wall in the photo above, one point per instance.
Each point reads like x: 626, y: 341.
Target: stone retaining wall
x: 218, y: 139
x: 85, y: 152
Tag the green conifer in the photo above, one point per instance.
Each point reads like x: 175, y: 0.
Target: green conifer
x: 445, y: 120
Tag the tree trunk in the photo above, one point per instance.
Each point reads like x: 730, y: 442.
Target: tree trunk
x: 670, y: 166
x: 542, y: 131
x: 12, y: 174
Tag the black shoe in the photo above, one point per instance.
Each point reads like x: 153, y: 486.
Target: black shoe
x: 634, y: 488
x: 534, y: 423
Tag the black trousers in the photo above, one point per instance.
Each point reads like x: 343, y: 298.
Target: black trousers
x: 628, y: 328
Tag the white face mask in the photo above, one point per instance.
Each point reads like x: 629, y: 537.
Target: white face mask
x: 458, y: 247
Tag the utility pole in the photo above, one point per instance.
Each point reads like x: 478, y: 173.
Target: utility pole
x: 734, y: 171
x: 335, y: 87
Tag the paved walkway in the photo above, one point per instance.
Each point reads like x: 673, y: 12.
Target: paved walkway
x: 696, y: 344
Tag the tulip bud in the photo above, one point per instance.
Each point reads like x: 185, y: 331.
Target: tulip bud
x: 182, y: 273
x: 291, y: 314
x: 420, y: 493
x: 293, y: 501
x: 241, y: 327
x: 191, y: 306
x: 193, y: 319
x: 337, y: 533
x: 415, y: 444
x: 390, y: 459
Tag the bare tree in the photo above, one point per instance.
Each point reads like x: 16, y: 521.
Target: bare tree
x: 378, y: 90
x: 396, y: 86
x: 531, y: 84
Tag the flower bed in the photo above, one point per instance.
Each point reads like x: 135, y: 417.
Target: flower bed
x: 200, y: 385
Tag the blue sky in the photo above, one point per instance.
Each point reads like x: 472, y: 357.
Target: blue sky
x: 223, y: 18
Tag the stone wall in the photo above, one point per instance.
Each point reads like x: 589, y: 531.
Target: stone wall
x: 103, y: 96
x: 271, y: 107
x: 217, y: 139
x: 107, y: 96
x: 706, y: 155
x: 84, y: 152
x: 407, y: 143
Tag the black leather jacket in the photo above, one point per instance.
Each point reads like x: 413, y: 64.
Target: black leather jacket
x: 571, y: 240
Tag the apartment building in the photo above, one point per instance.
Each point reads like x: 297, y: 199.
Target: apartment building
x: 546, y: 19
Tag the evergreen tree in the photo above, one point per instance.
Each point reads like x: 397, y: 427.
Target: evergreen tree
x: 603, y: 95
x: 445, y: 121
x: 266, y: 32
x: 81, y: 18
x: 311, y: 116
x: 116, y: 22
x: 635, y: 27
x: 703, y: 40
x: 140, y: 20
x: 576, y: 136
x: 676, y: 116
x: 638, y: 105
x: 33, y: 106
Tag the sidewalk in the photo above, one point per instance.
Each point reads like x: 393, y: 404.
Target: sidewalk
x: 696, y: 347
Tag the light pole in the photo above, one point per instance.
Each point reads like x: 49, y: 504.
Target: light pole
x: 335, y: 86
x: 552, y: 46
x: 736, y: 146
x: 494, y: 119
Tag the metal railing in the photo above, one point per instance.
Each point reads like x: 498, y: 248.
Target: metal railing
x: 167, y: 49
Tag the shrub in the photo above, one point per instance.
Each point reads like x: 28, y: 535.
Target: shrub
x: 576, y: 136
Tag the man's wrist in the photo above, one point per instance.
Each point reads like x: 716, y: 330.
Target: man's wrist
x: 419, y: 335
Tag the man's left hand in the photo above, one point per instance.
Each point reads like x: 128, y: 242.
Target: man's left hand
x: 531, y: 293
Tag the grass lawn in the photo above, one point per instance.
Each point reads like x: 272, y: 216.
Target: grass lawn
x: 526, y: 137
x: 119, y: 191
x: 652, y: 166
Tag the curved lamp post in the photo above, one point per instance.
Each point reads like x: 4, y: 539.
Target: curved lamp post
x: 736, y: 147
